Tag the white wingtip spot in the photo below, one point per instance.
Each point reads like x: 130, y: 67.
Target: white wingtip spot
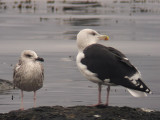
x: 148, y: 91
x: 125, y: 58
x: 141, y: 86
x: 97, y: 116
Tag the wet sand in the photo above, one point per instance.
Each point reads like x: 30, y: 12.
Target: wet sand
x: 52, y: 35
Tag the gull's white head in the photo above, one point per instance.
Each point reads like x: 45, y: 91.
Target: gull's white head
x: 29, y: 55
x: 87, y: 37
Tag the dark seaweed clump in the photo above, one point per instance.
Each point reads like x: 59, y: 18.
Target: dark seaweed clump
x: 81, y: 113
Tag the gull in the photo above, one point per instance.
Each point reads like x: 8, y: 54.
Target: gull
x: 107, y: 65
x: 28, y: 74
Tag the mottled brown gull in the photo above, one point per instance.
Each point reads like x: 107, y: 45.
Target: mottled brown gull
x: 28, y: 74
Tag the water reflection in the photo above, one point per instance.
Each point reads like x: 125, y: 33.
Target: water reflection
x: 84, y: 13
x: 70, y: 34
x: 83, y: 6
x: 28, y: 5
x: 72, y: 7
x: 83, y: 21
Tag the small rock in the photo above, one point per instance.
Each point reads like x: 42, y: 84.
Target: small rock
x: 5, y: 85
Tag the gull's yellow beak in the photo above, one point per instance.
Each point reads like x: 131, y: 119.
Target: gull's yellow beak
x: 104, y: 37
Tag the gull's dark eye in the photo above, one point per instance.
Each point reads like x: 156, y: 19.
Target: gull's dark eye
x: 93, y: 33
x: 28, y: 55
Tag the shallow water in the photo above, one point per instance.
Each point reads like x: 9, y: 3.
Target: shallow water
x: 50, y: 29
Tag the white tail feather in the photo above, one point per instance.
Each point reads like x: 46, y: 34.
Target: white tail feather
x: 136, y: 93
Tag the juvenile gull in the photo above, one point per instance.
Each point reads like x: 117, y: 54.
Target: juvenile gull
x: 28, y: 74
x: 106, y: 65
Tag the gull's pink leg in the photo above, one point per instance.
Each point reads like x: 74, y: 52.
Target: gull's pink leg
x: 107, y: 98
x: 99, y: 95
x: 34, y: 98
x: 22, y: 107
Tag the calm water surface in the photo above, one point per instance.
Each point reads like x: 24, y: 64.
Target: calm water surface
x: 50, y: 28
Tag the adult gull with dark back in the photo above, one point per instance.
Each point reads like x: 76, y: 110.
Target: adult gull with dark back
x: 107, y: 65
x: 28, y: 74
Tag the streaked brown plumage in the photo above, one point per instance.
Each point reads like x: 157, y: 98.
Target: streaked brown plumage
x: 28, y: 74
